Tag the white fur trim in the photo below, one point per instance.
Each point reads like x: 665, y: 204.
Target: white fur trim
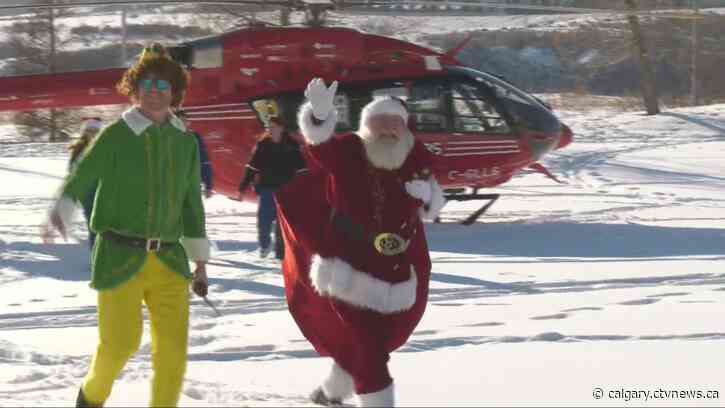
x: 436, y: 204
x: 139, y: 123
x: 197, y: 249
x: 336, y: 278
x: 384, y: 105
x: 65, y: 207
x: 314, y: 134
x: 338, y: 384
x: 382, y: 398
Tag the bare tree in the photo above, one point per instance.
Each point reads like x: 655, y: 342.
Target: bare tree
x: 648, y: 80
x: 694, y: 85
x: 36, y: 43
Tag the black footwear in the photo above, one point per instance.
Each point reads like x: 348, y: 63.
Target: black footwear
x: 318, y: 397
x: 82, y: 403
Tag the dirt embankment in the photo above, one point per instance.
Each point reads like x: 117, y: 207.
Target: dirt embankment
x: 598, y: 58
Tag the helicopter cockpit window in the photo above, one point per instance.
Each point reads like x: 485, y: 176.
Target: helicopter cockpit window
x: 523, y: 109
x: 473, y: 112
x: 207, y: 54
x: 342, y: 104
x: 399, y: 92
x: 427, y: 108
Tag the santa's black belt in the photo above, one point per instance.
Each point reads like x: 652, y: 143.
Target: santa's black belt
x: 150, y: 245
x: 386, y: 243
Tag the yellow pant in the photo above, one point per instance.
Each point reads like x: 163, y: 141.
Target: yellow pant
x: 120, y: 325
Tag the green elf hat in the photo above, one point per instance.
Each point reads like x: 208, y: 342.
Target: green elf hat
x: 155, y: 50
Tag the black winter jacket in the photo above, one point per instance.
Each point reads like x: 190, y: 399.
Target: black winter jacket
x: 273, y: 164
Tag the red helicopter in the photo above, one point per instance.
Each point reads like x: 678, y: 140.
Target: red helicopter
x: 482, y: 129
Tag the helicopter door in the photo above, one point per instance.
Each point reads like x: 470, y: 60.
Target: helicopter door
x: 428, y: 116
x: 480, y: 141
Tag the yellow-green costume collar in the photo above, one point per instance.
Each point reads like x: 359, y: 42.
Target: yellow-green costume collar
x: 139, y: 123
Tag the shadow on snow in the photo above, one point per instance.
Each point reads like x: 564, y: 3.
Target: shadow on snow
x: 575, y: 240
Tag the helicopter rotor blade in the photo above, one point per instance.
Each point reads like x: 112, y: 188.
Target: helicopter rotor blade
x: 447, y: 8
x: 403, y: 7
x: 87, y: 3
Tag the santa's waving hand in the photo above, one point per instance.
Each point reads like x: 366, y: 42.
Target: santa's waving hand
x: 317, y: 117
x: 321, y: 98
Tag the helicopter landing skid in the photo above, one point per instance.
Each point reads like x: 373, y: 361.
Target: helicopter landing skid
x: 468, y: 197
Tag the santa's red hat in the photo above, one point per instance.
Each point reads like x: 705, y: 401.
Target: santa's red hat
x: 385, y: 105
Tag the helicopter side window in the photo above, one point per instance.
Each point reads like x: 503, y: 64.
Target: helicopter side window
x: 207, y: 54
x: 286, y: 106
x: 358, y: 97
x: 472, y: 111
x: 342, y: 104
x: 426, y: 105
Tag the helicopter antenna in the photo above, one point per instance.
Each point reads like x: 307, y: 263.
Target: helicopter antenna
x: 452, y: 53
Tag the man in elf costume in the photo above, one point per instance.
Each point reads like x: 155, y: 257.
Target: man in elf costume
x: 357, y: 270
x: 149, y: 217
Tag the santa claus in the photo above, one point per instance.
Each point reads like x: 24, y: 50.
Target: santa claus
x: 357, y: 268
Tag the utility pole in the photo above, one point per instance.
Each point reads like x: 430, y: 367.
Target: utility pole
x: 51, y: 68
x: 52, y: 40
x: 284, y: 16
x: 649, y: 85
x: 694, y: 88
x: 124, y: 39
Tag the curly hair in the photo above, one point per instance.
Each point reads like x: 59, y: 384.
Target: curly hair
x: 155, y: 60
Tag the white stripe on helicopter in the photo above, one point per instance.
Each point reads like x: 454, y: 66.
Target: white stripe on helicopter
x: 480, y: 153
x: 221, y: 111
x: 223, y: 118
x: 240, y: 104
x: 469, y: 142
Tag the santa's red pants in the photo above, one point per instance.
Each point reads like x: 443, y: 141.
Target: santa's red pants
x: 360, y: 341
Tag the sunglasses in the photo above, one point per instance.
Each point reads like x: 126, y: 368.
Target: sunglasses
x: 148, y: 84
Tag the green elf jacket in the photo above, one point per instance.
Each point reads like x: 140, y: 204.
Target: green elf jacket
x: 148, y: 187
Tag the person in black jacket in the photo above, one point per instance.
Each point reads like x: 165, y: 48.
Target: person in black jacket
x: 207, y: 175
x: 275, y: 161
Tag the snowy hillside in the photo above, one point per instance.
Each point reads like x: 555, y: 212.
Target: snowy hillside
x: 614, y: 281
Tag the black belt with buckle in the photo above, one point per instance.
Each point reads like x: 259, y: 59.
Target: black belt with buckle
x: 150, y: 245
x: 386, y: 243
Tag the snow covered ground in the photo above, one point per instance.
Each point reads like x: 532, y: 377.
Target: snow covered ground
x: 612, y: 282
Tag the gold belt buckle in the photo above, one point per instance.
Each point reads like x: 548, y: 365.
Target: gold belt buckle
x: 153, y: 245
x: 389, y: 244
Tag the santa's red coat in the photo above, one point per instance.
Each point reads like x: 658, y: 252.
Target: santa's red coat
x: 354, y: 296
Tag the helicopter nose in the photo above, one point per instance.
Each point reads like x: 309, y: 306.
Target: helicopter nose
x: 567, y: 136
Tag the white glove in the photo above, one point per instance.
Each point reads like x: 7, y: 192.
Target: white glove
x: 419, y: 189
x: 321, y: 97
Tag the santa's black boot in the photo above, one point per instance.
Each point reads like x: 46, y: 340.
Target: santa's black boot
x: 337, y: 386
x: 81, y: 401
x: 318, y: 397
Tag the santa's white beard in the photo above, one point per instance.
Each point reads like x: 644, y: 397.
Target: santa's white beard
x: 386, y: 152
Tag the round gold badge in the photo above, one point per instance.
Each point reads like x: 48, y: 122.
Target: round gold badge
x: 389, y: 244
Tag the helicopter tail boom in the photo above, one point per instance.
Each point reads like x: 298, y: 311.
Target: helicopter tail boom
x: 62, y: 90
